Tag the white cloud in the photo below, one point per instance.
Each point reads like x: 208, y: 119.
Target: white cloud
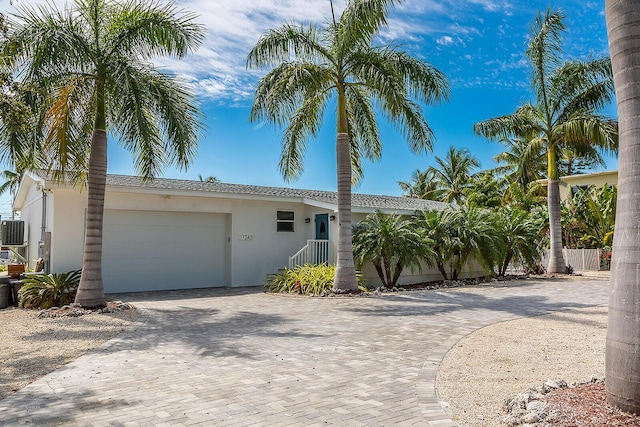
x: 445, y: 40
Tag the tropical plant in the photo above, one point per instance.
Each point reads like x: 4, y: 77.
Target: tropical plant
x: 391, y: 244
x: 15, y: 112
x: 453, y: 175
x: 208, y: 179
x: 11, y: 184
x: 577, y: 160
x: 520, y: 234
x: 588, y: 217
x: 531, y: 198
x: 522, y: 162
x: 568, y: 95
x: 49, y: 290
x: 308, y: 279
x: 623, y: 335
x: 421, y: 185
x: 92, y: 60
x: 311, y: 66
x: 457, y: 235
x: 485, y: 191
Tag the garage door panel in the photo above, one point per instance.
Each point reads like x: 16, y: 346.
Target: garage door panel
x: 163, y: 250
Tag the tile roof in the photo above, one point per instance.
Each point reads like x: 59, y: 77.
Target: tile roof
x: 367, y: 201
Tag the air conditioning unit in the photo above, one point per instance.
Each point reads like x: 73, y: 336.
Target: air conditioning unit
x: 12, y: 233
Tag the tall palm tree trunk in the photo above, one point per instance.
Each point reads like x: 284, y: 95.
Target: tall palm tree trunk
x: 623, y: 334
x: 91, y: 290
x: 556, y: 258
x: 345, y: 277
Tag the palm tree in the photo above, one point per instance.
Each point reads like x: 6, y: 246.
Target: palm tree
x: 11, y: 184
x: 457, y: 234
x: 312, y: 66
x: 623, y: 334
x: 520, y: 233
x: 568, y: 94
x: 454, y: 175
x: 421, y: 185
x: 92, y: 61
x: 391, y: 244
x: 486, y: 190
x: 521, y: 161
x: 575, y: 160
x: 532, y: 197
x: 208, y: 179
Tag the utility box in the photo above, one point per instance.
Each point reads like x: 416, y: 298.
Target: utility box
x: 12, y: 233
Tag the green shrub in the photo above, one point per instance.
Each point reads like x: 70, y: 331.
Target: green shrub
x: 309, y: 279
x: 3, y: 268
x: 49, y: 290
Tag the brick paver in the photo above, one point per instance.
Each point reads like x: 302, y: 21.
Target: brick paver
x: 244, y: 358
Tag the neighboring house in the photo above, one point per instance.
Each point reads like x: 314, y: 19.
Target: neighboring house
x: 574, y: 182
x: 176, y: 234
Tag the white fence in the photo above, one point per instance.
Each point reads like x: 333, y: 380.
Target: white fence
x: 315, y: 252
x: 579, y: 259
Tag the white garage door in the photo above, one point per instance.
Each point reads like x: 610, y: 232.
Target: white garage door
x: 145, y: 251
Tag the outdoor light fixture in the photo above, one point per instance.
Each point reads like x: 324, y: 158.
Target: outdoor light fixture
x: 307, y: 220
x: 332, y: 218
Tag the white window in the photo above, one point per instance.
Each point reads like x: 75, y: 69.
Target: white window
x: 285, y: 221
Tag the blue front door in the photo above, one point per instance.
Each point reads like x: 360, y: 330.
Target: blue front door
x: 322, y: 227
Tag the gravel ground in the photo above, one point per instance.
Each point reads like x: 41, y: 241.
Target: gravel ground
x: 31, y: 347
x: 501, y: 360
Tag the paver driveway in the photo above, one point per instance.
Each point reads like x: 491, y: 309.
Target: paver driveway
x: 244, y: 358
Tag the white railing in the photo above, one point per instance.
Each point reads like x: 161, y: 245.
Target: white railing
x: 315, y: 252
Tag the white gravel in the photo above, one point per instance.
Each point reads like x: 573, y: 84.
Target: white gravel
x: 31, y: 347
x: 499, y: 361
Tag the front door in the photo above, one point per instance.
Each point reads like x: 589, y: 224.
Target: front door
x: 322, y: 227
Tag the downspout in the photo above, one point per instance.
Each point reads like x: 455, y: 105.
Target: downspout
x: 43, y: 230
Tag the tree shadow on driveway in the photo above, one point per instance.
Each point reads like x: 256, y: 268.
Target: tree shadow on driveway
x: 46, y: 408
x: 433, y: 303
x: 208, y: 332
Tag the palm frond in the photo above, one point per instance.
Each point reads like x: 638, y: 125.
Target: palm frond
x: 66, y: 143
x: 423, y: 80
x: 157, y: 121
x: 363, y: 127
x: 361, y: 21
x: 524, y: 121
x: 586, y: 128
x: 306, y: 122
x: 545, y: 50
x: 287, y: 43
x: 280, y: 93
x: 48, y: 41
x: 582, y: 85
x: 147, y: 28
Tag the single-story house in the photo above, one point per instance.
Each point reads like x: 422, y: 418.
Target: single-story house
x: 175, y: 234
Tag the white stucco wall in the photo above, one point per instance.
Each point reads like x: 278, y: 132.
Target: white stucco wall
x: 255, y: 247
x: 426, y: 274
x: 68, y: 209
x: 31, y: 214
x: 268, y: 250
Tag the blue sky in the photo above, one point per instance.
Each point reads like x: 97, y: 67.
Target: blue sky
x: 479, y: 44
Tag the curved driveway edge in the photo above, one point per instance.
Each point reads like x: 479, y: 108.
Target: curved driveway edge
x: 245, y: 358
